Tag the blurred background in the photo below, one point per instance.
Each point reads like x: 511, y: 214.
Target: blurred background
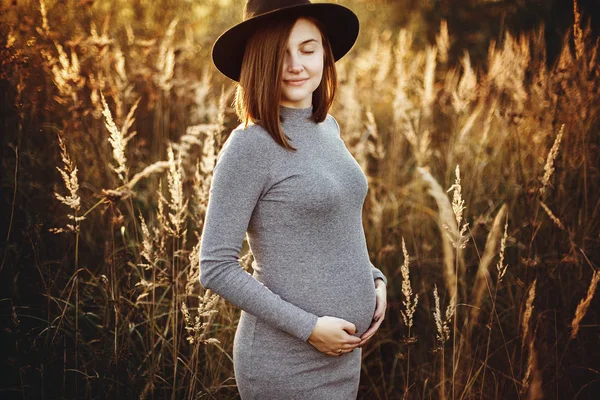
x: 475, y: 121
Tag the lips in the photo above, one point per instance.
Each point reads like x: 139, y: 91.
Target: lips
x: 295, y: 82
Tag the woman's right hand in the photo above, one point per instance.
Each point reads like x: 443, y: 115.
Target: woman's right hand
x: 331, y: 334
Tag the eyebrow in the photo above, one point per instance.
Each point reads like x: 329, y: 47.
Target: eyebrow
x: 307, y: 41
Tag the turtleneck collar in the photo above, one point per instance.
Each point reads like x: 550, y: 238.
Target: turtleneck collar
x: 296, y: 115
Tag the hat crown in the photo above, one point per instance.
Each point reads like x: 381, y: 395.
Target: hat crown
x: 254, y: 8
x: 340, y: 23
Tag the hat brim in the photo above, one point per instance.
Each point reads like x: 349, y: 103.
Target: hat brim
x: 341, y: 25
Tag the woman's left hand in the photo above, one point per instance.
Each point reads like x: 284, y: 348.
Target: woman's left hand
x: 379, y: 315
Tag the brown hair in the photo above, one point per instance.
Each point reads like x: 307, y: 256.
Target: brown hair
x: 258, y: 92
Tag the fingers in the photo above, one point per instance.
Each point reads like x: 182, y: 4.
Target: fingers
x: 366, y: 339
x: 348, y: 345
x: 346, y: 341
x: 339, y: 353
x: 351, y: 346
x: 378, y: 318
x: 380, y: 307
x: 371, y: 331
x: 380, y: 310
x: 349, y: 327
x: 352, y: 340
x: 373, y: 328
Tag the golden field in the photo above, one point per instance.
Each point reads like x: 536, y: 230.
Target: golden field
x: 483, y: 208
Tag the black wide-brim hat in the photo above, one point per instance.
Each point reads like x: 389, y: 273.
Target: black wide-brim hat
x: 341, y: 28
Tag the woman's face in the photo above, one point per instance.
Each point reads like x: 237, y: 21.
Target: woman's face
x: 303, y: 62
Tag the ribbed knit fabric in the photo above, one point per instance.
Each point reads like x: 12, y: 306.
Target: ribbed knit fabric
x: 302, y: 212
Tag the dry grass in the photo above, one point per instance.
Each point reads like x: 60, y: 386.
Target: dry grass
x: 583, y: 306
x: 113, y: 306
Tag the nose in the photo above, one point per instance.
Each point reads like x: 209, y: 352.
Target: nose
x: 294, y: 64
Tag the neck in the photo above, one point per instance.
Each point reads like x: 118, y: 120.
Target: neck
x: 291, y: 113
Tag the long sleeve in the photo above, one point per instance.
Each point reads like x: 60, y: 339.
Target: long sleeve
x: 241, y: 176
x: 378, y: 274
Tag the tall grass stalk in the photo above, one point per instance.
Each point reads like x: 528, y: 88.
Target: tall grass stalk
x: 458, y: 242
x: 410, y: 305
x: 501, y: 269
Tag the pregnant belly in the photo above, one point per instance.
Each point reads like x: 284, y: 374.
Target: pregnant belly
x: 352, y: 300
x: 346, y: 292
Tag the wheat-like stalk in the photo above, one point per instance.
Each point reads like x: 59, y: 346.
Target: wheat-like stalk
x: 384, y: 57
x: 528, y: 311
x: 193, y: 274
x: 147, y: 288
x: 195, y: 327
x: 442, y: 324
x: 201, y: 187
x: 532, y: 380
x: 44, y: 13
x: 466, y: 91
x: 553, y: 217
x: 409, y: 303
x: 501, y: 267
x: 351, y: 112
x: 584, y: 304
x: 428, y: 96
x: 410, y: 306
x: 178, y: 203
x: 458, y: 206
x: 381, y: 49
x: 577, y: 33
x: 487, y: 122
x: 403, y: 107
x: 468, y: 125
x: 437, y: 317
x: 442, y: 42
x: 192, y: 137
x: 374, y: 149
x: 209, y: 154
x: 147, y: 240
x: 165, y: 61
x: 593, y: 56
x: 359, y: 150
x: 72, y: 200
x: 156, y: 167
x: 507, y: 67
x: 491, y: 248
x: 420, y: 145
x: 161, y: 216
x: 66, y: 73
x: 549, y: 166
x: 118, y: 139
x: 446, y: 221
x: 121, y: 79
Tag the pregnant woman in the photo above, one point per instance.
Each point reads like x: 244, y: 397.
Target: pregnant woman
x: 286, y: 179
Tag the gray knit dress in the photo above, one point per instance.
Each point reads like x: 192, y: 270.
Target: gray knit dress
x: 302, y: 213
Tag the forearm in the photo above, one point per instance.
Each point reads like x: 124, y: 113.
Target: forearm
x: 234, y: 284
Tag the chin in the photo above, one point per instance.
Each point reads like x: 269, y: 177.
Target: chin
x: 296, y: 101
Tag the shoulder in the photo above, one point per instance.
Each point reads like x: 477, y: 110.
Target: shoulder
x: 252, y: 145
x: 333, y: 124
x: 252, y: 137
